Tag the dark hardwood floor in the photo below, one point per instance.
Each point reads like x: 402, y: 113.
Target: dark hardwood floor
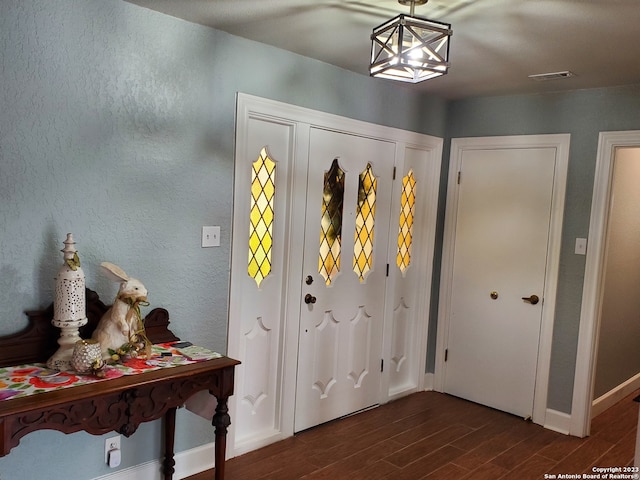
x: 435, y: 436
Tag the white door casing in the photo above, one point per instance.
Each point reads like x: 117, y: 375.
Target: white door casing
x: 581, y: 405
x: 264, y: 321
x: 489, y: 379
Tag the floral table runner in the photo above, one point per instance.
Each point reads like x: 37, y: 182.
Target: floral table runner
x: 31, y: 379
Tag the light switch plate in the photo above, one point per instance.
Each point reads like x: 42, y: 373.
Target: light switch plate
x: 581, y: 246
x: 210, y: 236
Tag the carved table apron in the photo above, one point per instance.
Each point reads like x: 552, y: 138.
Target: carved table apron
x: 122, y: 404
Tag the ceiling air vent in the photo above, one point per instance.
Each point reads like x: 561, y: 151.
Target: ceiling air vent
x: 543, y: 77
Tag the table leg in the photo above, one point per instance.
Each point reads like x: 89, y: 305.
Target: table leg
x: 169, y: 435
x: 221, y: 420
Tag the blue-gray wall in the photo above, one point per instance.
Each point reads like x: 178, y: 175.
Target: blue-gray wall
x: 117, y: 124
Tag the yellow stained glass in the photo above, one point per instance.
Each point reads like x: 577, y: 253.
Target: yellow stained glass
x: 331, y: 222
x: 365, y: 220
x: 405, y: 232
x: 261, y: 216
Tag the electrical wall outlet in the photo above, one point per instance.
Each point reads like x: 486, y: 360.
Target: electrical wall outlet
x: 111, y: 444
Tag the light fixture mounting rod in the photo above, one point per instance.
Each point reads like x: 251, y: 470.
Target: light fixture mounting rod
x: 412, y: 3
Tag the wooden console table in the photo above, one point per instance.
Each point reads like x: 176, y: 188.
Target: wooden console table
x: 119, y: 404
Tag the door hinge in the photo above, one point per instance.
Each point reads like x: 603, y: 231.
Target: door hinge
x: 382, y: 364
x: 394, y: 173
x: 387, y: 269
x: 446, y: 354
x: 459, y: 176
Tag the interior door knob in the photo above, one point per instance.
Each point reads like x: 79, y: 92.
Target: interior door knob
x: 308, y: 298
x: 533, y: 299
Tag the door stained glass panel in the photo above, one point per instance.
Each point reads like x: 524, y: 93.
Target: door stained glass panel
x: 331, y: 222
x: 365, y: 220
x: 407, y: 212
x: 263, y: 189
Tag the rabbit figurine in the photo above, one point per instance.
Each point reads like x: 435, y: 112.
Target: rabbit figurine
x: 121, y: 324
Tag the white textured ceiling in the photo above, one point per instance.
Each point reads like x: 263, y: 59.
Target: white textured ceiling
x: 496, y: 44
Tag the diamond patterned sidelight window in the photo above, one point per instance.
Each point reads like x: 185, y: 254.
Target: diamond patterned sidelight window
x: 331, y: 222
x: 263, y: 188
x: 407, y: 211
x: 365, y: 220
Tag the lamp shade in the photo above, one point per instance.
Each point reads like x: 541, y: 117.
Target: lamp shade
x: 410, y: 49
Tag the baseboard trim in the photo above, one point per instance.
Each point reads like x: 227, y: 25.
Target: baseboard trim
x: 195, y: 460
x: 614, y: 395
x: 144, y: 471
x: 189, y: 462
x: 429, y: 382
x: 557, y: 421
x: 255, y: 443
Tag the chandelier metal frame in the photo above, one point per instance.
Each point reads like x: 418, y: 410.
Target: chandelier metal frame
x: 409, y: 48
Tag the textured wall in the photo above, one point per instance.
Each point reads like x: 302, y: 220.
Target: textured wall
x: 117, y: 124
x: 104, y: 130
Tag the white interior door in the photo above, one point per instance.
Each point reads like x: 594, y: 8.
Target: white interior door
x: 498, y: 280
x: 344, y: 272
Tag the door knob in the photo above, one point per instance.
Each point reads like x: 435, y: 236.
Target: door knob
x: 533, y: 299
x: 308, y: 298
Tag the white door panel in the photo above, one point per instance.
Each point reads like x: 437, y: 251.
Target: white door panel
x: 341, y: 333
x: 413, y: 214
x: 500, y: 257
x: 257, y: 338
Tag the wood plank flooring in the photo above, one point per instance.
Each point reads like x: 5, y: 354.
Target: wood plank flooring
x: 434, y: 436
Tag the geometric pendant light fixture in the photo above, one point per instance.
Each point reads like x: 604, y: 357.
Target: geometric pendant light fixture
x: 410, y: 49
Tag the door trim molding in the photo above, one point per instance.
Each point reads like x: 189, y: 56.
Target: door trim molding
x: 557, y: 421
x: 458, y: 145
x: 583, y: 387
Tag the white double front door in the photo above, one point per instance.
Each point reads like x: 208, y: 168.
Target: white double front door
x: 331, y: 267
